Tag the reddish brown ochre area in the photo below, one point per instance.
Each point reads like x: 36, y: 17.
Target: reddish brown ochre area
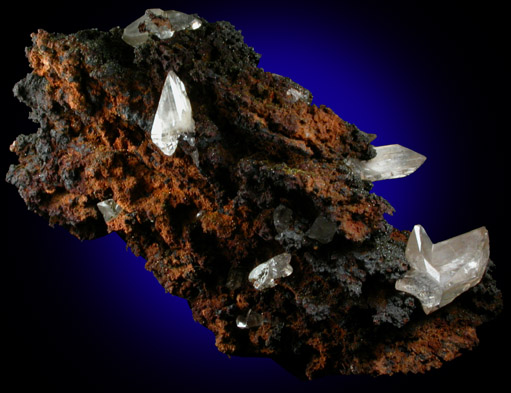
x: 203, y: 228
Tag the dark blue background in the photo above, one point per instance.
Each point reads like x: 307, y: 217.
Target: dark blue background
x: 86, y: 316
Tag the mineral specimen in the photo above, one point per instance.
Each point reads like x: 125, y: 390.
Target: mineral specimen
x: 440, y: 272
x: 254, y: 173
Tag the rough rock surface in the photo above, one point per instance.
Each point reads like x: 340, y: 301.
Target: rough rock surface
x: 202, y: 229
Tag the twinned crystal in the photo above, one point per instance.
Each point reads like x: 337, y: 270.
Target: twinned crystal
x: 263, y: 276
x: 391, y: 162
x: 109, y: 209
x: 173, y: 118
x: 162, y: 24
x: 440, y: 272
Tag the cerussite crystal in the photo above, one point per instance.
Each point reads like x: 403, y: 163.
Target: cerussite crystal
x: 257, y: 173
x: 440, y: 272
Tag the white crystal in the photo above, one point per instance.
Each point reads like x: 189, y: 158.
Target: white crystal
x: 263, y: 276
x: 109, y: 209
x: 322, y: 230
x: 252, y: 319
x: 391, y: 162
x: 161, y: 23
x: 173, y: 117
x: 440, y: 272
x: 296, y: 95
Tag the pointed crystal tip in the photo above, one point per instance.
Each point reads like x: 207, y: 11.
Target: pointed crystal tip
x: 391, y: 162
x: 441, y: 272
x: 173, y: 118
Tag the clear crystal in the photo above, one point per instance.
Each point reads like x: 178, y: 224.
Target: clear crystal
x: 440, y: 272
x: 173, y: 117
x: 109, y: 209
x: 161, y: 23
x: 252, y: 319
x: 296, y: 95
x: 322, y: 230
x: 282, y: 218
x: 391, y: 162
x: 263, y: 276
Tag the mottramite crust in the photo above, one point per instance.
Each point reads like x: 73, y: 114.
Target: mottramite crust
x: 254, y: 205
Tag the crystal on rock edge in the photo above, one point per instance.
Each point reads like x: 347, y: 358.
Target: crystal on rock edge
x: 263, y: 276
x: 161, y: 23
x: 252, y: 319
x: 391, y: 162
x: 440, y: 272
x: 109, y: 209
x: 322, y: 230
x: 173, y: 117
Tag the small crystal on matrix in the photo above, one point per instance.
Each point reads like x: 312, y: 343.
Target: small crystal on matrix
x: 282, y: 218
x: 263, y: 276
x: 161, y: 23
x: 173, y: 118
x: 440, y: 272
x: 250, y: 320
x: 322, y: 230
x: 109, y: 209
x: 391, y: 162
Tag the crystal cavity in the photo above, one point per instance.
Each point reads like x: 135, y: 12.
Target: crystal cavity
x: 161, y: 23
x: 109, y: 209
x: 263, y: 276
x: 440, y: 272
x: 173, y: 118
x: 391, y: 162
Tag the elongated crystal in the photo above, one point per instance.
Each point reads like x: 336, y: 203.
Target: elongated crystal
x: 263, y: 276
x: 173, y: 117
x: 440, y: 272
x: 391, y: 162
x: 109, y: 209
x: 162, y: 24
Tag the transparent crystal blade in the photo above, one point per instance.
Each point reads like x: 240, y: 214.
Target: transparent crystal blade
x: 173, y: 117
x: 391, y: 162
x: 161, y: 23
x: 109, y: 209
x: 263, y: 276
x: 441, y: 272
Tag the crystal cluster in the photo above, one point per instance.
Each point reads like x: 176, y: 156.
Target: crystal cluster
x: 440, y: 272
x: 109, y: 209
x: 263, y: 276
x: 162, y: 24
x: 391, y: 162
x: 173, y: 118
x: 273, y: 182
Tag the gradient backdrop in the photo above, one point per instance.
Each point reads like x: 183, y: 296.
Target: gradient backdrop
x: 86, y: 316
